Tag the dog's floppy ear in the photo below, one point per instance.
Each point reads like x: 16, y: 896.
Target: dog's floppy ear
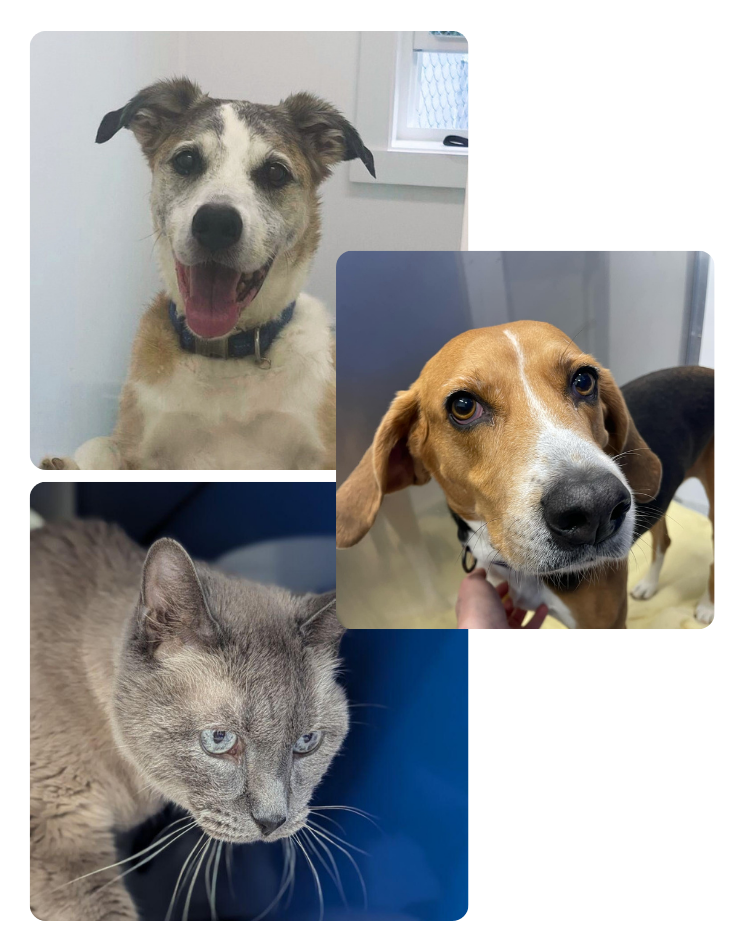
x: 151, y: 113
x: 328, y: 137
x: 638, y: 462
x: 389, y: 464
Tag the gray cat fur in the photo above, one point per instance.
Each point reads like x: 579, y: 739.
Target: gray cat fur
x: 129, y: 662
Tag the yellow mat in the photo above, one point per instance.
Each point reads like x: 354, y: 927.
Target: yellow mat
x: 381, y: 584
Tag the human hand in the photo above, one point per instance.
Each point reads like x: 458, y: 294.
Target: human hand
x: 481, y: 606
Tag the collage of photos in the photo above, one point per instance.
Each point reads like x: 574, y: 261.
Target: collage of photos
x: 258, y: 272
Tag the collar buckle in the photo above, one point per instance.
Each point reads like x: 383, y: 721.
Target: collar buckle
x: 260, y: 360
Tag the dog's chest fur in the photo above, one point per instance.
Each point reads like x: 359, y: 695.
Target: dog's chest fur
x: 231, y: 414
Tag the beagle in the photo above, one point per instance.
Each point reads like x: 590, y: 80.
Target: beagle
x: 550, y: 470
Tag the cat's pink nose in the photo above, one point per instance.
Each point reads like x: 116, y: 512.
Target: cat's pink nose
x: 269, y: 824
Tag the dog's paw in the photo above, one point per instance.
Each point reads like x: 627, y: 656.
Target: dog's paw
x: 704, y: 610
x: 58, y: 463
x: 644, y: 589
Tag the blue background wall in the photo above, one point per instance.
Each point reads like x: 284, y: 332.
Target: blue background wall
x: 212, y: 518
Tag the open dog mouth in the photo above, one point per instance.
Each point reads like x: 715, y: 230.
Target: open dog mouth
x: 215, y: 295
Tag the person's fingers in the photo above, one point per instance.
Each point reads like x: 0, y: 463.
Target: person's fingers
x: 539, y: 617
x: 478, y: 606
x: 482, y: 606
x: 515, y: 619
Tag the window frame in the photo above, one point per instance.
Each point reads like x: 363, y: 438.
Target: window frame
x: 385, y: 60
x: 405, y: 104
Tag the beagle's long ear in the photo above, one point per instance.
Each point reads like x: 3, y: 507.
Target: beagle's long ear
x: 391, y: 463
x: 638, y: 462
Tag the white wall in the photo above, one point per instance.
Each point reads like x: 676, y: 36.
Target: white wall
x: 706, y: 357
x: 92, y: 271
x: 691, y: 493
x: 647, y: 302
x: 465, y: 226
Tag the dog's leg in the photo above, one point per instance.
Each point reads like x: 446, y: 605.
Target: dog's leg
x: 100, y: 453
x: 58, y: 463
x: 660, y: 542
x: 704, y: 610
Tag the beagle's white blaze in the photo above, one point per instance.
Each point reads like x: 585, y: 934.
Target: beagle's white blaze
x: 558, y: 449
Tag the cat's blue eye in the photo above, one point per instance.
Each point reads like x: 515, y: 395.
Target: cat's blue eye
x: 218, y: 742
x: 306, y: 743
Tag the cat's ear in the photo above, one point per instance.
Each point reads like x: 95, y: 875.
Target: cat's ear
x: 319, y: 624
x: 173, y: 607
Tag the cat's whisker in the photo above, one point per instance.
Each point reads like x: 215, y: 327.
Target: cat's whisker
x: 201, y: 857
x: 179, y: 878
x: 142, y: 862
x: 207, y: 868
x: 333, y: 835
x: 228, y: 866
x: 333, y: 871
x: 287, y: 878
x: 350, y: 809
x: 351, y: 859
x: 315, y: 874
x: 292, y: 849
x: 176, y: 822
x: 285, y: 850
x: 329, y: 820
x: 212, y: 892
x: 195, y: 864
x: 124, y: 861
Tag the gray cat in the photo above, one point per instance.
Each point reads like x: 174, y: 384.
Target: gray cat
x: 161, y: 680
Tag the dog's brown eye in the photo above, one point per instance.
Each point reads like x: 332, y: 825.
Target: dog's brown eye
x: 584, y: 382
x: 185, y: 162
x: 278, y: 174
x: 463, y: 408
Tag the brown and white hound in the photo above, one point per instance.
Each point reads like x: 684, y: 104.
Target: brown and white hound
x: 550, y: 470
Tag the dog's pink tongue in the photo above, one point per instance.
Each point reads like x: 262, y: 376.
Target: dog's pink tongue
x: 210, y: 294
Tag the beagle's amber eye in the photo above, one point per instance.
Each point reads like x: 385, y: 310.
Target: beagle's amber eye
x: 584, y: 382
x: 463, y: 408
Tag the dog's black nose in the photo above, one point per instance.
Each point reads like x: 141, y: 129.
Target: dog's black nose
x: 217, y: 227
x: 269, y: 824
x: 585, y: 510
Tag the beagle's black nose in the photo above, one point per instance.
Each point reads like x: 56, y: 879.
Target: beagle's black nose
x: 217, y: 227
x: 585, y: 510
